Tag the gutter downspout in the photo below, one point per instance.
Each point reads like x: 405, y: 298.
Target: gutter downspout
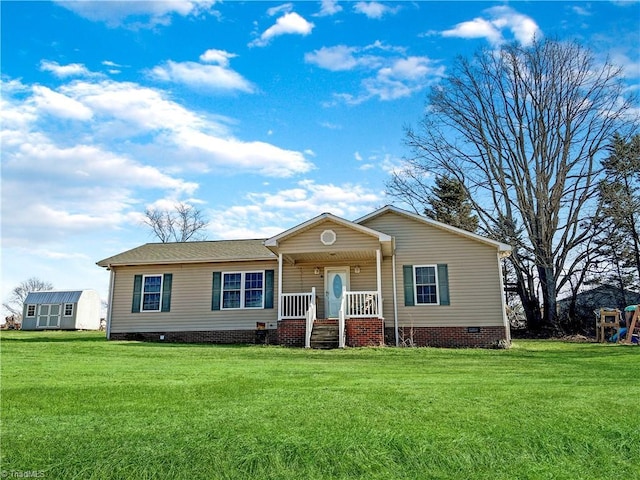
x: 112, y: 278
x: 505, y: 320
x: 279, y: 286
x: 395, y: 295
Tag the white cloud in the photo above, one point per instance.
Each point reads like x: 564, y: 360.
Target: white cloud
x: 197, y: 75
x: 59, y: 105
x: 523, y: 28
x: 267, y: 214
x: 288, y: 24
x: 277, y: 10
x: 328, y: 8
x: 476, y: 28
x: 336, y: 58
x: 391, y: 74
x: 125, y: 141
x: 578, y: 10
x: 254, y: 157
x: 137, y: 14
x: 219, y: 57
x: 373, y: 9
x: 63, y: 71
x: 390, y: 77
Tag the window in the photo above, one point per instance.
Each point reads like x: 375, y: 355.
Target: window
x: 242, y: 290
x: 151, y: 293
x: 31, y: 310
x: 68, y: 309
x: 426, y: 285
x: 235, y: 290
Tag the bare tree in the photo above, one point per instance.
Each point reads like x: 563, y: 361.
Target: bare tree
x: 522, y: 128
x: 18, y: 295
x: 182, y: 224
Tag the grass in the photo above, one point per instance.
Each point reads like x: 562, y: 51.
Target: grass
x: 75, y: 406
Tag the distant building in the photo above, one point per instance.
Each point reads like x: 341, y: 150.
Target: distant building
x: 601, y: 297
x: 69, y: 310
x: 590, y: 301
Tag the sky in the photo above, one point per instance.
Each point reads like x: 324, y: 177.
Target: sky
x: 260, y: 114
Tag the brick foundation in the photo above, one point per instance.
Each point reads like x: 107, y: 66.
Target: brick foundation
x: 364, y: 332
x: 291, y: 332
x: 210, y: 336
x: 485, y: 337
x: 360, y: 332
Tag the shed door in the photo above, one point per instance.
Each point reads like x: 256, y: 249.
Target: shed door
x: 48, y: 316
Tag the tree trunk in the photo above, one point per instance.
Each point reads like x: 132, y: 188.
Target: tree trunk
x: 549, y: 299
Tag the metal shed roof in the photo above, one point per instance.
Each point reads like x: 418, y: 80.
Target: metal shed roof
x: 53, y: 297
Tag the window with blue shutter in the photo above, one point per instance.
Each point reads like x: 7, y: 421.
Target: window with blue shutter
x: 240, y: 290
x: 152, y: 293
x: 426, y: 285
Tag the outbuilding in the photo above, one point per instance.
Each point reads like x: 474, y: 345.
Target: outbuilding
x: 64, y: 310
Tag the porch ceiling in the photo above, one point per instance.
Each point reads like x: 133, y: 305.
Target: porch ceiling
x: 331, y: 257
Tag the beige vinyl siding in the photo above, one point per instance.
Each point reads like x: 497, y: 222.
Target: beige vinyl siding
x: 347, y: 239
x: 474, y: 274
x: 191, y: 296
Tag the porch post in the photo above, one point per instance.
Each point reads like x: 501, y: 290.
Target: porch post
x: 379, y: 274
x: 279, y: 286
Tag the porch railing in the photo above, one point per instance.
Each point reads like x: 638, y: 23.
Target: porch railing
x: 362, y: 304
x: 296, y: 305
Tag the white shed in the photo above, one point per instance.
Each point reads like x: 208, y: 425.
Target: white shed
x: 68, y: 310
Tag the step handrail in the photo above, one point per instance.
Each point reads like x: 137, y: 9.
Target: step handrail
x: 310, y: 319
x: 341, y: 318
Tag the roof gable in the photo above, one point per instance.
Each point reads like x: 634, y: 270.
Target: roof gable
x: 273, y: 241
x: 501, y: 247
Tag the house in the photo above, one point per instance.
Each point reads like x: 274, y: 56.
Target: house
x: 390, y: 277
x: 588, y: 302
x: 68, y: 310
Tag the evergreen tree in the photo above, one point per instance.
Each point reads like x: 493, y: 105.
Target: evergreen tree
x: 450, y: 204
x: 619, y: 201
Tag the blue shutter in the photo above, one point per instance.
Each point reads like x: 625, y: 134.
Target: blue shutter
x: 137, y: 294
x: 167, y: 280
x: 443, y: 284
x: 407, y: 273
x: 268, y: 289
x: 217, y: 286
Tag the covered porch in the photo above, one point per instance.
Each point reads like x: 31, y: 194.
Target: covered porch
x: 330, y: 282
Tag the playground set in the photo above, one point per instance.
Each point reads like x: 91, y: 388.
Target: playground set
x: 621, y: 326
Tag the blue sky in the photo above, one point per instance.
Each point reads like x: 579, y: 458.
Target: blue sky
x: 262, y: 114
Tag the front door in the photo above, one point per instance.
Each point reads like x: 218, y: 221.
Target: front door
x: 335, y: 279
x: 48, y: 316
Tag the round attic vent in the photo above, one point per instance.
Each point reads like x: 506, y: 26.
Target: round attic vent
x: 328, y: 237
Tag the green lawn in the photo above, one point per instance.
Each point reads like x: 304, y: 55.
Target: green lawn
x: 76, y: 406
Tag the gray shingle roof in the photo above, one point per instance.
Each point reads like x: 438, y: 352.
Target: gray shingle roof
x: 191, y: 252
x: 52, y: 297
